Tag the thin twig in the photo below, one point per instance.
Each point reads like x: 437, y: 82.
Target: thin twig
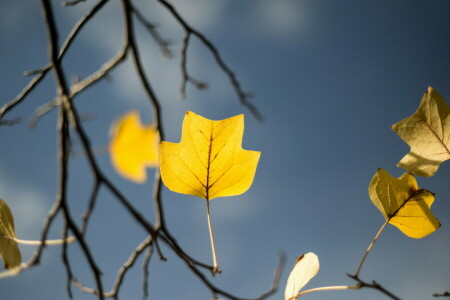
x: 374, y: 285
x: 114, y: 292
x: 41, y: 111
x: 162, y: 43
x: 101, y: 72
x: 72, y: 3
x: 66, y: 261
x: 242, y: 96
x: 43, y: 71
x: 185, y: 77
x: 145, y: 267
x: 11, y: 122
x: 91, y: 205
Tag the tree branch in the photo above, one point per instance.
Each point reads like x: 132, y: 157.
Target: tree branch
x: 242, y: 96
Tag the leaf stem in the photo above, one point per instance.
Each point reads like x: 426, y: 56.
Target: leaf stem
x: 370, y: 247
x: 69, y: 240
x: 216, y: 268
x: 326, y: 288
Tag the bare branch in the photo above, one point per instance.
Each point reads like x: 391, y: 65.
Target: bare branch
x: 120, y: 274
x: 101, y: 72
x: 21, y: 96
x: 63, y: 94
x: 145, y: 267
x: 444, y: 294
x: 66, y: 262
x: 162, y: 43
x: 185, y: 77
x: 11, y: 122
x: 242, y: 96
x: 43, y: 71
x: 373, y: 285
x: 42, y: 111
x: 68, y: 116
x: 72, y: 3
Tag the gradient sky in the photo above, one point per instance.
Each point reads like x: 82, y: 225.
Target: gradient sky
x: 330, y: 77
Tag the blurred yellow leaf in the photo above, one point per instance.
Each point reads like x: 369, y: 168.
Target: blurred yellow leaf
x: 306, y: 267
x: 403, y: 204
x: 133, y: 147
x: 427, y: 132
x: 9, y: 250
x: 209, y: 161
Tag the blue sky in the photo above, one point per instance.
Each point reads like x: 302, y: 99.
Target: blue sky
x: 330, y: 77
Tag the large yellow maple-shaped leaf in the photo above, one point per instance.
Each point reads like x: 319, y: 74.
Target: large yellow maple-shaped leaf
x: 209, y: 161
x: 403, y: 204
x: 133, y: 147
x: 427, y: 132
x: 9, y: 250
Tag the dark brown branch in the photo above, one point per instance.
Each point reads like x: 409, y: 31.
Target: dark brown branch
x: 185, y: 77
x: 373, y: 285
x: 72, y: 3
x: 156, y: 108
x: 42, y: 72
x: 69, y: 115
x: 148, y: 242
x: 63, y: 94
x: 90, y: 207
x: 444, y: 294
x: 145, y: 276
x: 21, y: 96
x: 11, y: 122
x: 162, y: 43
x: 66, y: 262
x: 242, y: 96
x: 217, y: 291
x: 101, y: 72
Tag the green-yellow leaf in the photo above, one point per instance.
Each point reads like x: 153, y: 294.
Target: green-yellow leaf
x: 9, y: 250
x: 133, y: 147
x: 209, y: 161
x: 427, y: 132
x: 403, y: 204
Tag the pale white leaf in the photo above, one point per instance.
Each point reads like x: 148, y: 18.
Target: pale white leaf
x: 305, y: 268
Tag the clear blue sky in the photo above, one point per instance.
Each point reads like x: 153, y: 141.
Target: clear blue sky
x: 330, y: 77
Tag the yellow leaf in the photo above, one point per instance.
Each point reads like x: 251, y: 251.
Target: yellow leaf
x: 209, y: 161
x: 133, y: 147
x: 403, y: 204
x: 306, y: 267
x: 427, y: 132
x: 9, y: 250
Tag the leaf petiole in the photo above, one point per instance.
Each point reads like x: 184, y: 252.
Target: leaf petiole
x: 68, y: 240
x: 370, y: 247
x: 326, y: 288
x: 216, y: 268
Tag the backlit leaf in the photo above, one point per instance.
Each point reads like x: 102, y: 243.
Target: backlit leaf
x: 209, y: 161
x: 9, y: 250
x: 306, y: 267
x: 427, y: 132
x: 133, y: 147
x: 403, y: 204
